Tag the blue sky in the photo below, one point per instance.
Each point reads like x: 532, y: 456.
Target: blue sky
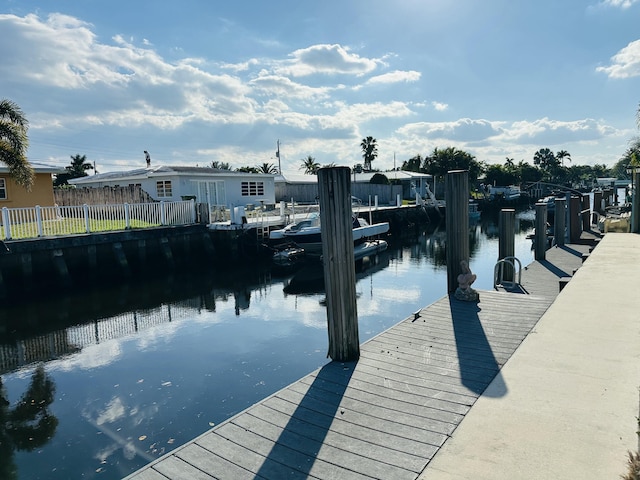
x: 197, y: 81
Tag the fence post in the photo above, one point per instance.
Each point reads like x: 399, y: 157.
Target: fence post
x: 507, y: 240
x: 87, y: 224
x: 163, y: 214
x: 540, y: 242
x: 127, y: 216
x: 559, y: 221
x: 6, y: 222
x: 193, y: 207
x: 457, y: 224
x: 39, y: 220
x: 338, y: 263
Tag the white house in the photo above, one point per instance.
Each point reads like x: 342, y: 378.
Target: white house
x: 218, y: 188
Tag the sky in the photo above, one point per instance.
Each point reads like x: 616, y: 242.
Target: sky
x: 198, y: 81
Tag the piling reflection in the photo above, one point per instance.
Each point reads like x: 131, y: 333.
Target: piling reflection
x: 29, y: 424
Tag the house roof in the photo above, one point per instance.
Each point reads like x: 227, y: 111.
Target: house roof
x: 359, y: 177
x: 38, y: 168
x: 162, y: 171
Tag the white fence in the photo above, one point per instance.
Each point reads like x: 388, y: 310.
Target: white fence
x: 32, y: 222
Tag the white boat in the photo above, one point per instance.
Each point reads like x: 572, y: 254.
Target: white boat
x: 508, y: 193
x: 306, y: 233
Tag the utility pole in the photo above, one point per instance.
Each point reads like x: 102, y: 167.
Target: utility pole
x: 278, y: 157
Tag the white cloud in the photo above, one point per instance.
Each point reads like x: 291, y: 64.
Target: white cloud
x: 625, y: 63
x: 623, y: 4
x: 439, y: 106
x: 397, y: 76
x: 328, y: 59
x: 463, y: 130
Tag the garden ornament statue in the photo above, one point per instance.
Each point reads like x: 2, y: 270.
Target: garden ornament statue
x: 465, y: 280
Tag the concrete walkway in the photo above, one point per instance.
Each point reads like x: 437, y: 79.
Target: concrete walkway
x: 572, y: 400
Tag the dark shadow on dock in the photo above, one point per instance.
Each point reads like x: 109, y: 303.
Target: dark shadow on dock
x: 570, y: 250
x: 294, y: 452
x: 558, y: 272
x: 478, y: 365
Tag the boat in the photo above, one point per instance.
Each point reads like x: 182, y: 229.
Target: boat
x: 306, y: 233
x: 474, y: 212
x: 508, y: 193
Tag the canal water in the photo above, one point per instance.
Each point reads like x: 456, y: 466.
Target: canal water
x: 118, y: 377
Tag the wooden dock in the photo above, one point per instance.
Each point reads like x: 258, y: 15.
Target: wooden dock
x: 386, y: 416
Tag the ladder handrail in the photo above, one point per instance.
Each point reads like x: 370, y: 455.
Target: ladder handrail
x: 498, y: 272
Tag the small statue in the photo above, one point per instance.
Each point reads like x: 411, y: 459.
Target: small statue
x: 465, y: 280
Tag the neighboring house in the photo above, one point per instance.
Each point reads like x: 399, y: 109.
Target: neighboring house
x: 218, y: 188
x: 13, y: 195
x: 304, y: 188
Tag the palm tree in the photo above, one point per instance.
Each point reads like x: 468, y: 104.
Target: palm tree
x: 220, y: 165
x: 561, y: 155
x: 309, y: 165
x: 14, y: 143
x: 78, y: 168
x: 369, y: 151
x: 268, y: 168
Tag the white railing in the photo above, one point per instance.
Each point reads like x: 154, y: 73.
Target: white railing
x: 32, y: 222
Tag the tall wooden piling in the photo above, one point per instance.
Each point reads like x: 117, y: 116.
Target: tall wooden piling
x: 457, y: 222
x: 585, y: 212
x: 334, y: 184
x: 507, y: 240
x: 559, y: 222
x: 597, y: 201
x: 574, y: 219
x: 540, y: 243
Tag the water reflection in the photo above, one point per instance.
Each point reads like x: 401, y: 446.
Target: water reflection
x: 144, y: 366
x: 29, y: 424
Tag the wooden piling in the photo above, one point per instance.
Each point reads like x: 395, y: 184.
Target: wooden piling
x: 585, y: 212
x: 507, y: 240
x: 540, y: 241
x: 597, y: 201
x: 457, y: 222
x: 635, y: 202
x: 559, y: 222
x: 334, y: 184
x: 574, y: 219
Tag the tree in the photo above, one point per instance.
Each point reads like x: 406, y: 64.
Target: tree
x: 443, y: 160
x: 309, y: 165
x: 14, y: 143
x: 218, y: 165
x: 414, y: 164
x: 247, y: 169
x: 78, y: 168
x: 561, y: 155
x: 268, y: 168
x: 369, y: 152
x: 546, y: 160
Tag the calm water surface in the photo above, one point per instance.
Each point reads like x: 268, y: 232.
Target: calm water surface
x: 122, y: 376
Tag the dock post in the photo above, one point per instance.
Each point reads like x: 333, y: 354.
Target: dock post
x: 507, y: 240
x: 338, y: 262
x: 574, y: 219
x: 559, y: 224
x: 457, y: 224
x: 597, y: 201
x: 540, y: 241
x: 585, y: 213
x: 635, y: 201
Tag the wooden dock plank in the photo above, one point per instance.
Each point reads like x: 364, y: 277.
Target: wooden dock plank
x: 387, y: 415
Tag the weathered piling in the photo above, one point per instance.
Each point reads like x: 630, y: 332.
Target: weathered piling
x: 540, y: 240
x: 597, y: 201
x: 559, y: 221
x: 635, y: 201
x: 507, y: 240
x: 457, y: 221
x: 339, y: 266
x: 574, y: 219
x: 585, y: 213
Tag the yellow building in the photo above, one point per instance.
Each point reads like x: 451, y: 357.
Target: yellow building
x: 13, y: 195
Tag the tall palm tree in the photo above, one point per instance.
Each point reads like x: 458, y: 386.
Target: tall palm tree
x: 561, y: 155
x: 369, y: 151
x: 309, y: 165
x: 268, y: 168
x: 14, y: 143
x: 78, y: 168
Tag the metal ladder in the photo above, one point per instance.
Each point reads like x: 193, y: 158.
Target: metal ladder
x: 498, y: 273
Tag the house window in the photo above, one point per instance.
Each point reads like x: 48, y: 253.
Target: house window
x: 3, y: 189
x: 163, y: 188
x: 252, y: 189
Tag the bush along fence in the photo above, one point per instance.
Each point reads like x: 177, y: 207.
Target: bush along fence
x: 33, y: 222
